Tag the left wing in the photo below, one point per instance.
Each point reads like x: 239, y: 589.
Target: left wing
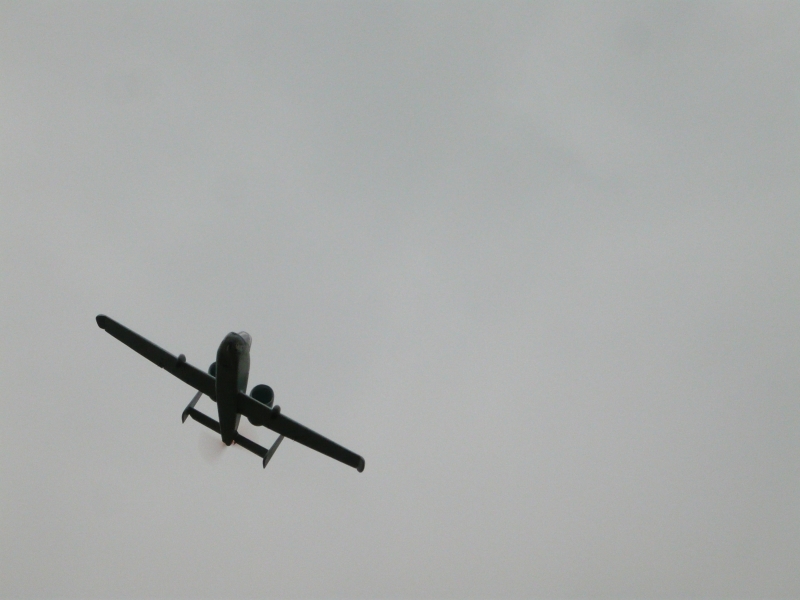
x: 177, y: 365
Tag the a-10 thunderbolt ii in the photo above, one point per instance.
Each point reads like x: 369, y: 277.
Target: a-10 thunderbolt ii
x: 225, y: 383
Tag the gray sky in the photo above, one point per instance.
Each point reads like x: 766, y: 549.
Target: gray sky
x: 537, y: 263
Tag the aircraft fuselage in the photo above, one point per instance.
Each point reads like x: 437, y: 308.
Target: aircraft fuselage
x: 233, y: 368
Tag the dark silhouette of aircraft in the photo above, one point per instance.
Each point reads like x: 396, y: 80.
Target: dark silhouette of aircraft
x: 225, y: 383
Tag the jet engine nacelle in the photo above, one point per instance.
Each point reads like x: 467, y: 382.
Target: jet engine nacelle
x: 265, y: 395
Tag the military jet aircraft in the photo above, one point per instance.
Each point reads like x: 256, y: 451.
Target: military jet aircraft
x: 225, y: 383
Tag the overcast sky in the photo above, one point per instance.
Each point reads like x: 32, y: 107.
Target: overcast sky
x: 538, y: 263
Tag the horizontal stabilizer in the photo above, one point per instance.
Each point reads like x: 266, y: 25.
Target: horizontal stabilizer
x: 202, y: 419
x: 265, y: 454
x: 238, y: 438
x: 249, y: 445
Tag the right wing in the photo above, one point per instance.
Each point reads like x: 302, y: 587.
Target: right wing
x: 271, y: 418
x: 177, y: 365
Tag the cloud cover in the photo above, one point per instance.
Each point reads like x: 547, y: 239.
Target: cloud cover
x: 537, y: 263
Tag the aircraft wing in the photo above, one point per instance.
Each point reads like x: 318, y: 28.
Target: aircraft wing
x: 177, y: 365
x: 271, y: 418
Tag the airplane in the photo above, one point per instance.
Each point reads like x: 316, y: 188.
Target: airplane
x: 225, y: 383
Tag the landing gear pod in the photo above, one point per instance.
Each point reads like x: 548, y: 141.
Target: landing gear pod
x: 212, y: 370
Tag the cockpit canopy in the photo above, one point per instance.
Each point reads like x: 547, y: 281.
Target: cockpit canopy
x: 246, y: 337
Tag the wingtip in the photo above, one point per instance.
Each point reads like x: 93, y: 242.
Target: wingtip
x: 101, y: 321
x: 361, y: 465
